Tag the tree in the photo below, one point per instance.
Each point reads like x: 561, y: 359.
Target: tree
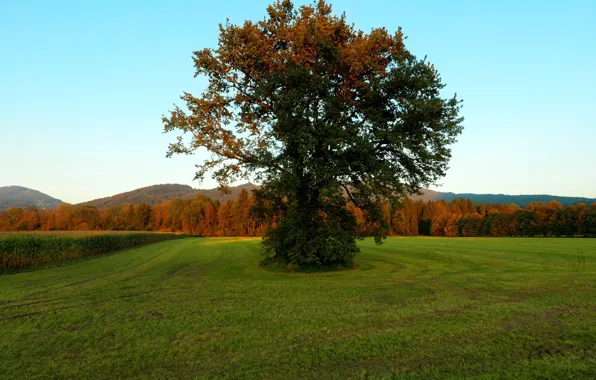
x: 225, y: 219
x: 143, y: 215
x: 319, y: 113
x: 570, y: 228
x: 174, y: 209
x: 113, y: 219
x: 429, y: 213
x: 557, y: 223
x: 445, y: 225
x: 522, y: 222
x: 65, y: 217
x: 581, y: 213
x: 590, y: 221
x: 405, y: 219
x: 471, y: 225
x: 240, y: 214
x: 502, y: 225
x: 486, y: 225
x: 539, y: 220
x: 192, y: 216
x: 15, y: 219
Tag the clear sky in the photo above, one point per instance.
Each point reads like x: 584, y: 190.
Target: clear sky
x: 83, y: 86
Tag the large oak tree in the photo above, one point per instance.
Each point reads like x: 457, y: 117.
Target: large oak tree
x: 321, y: 114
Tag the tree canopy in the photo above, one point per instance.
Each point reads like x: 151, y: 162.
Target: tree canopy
x: 321, y: 114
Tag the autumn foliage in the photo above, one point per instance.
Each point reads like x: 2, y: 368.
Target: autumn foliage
x: 202, y: 216
x: 321, y: 114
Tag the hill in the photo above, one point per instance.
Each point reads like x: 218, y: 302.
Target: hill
x: 18, y: 196
x: 157, y: 194
x: 235, y: 191
x: 520, y: 200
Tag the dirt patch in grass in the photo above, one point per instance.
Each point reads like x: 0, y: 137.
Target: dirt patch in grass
x: 449, y: 311
x: 542, y: 351
x: 73, y: 328
x: 156, y: 314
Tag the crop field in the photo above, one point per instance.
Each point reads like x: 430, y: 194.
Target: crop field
x: 22, y: 250
x: 74, y: 233
x: 413, y: 308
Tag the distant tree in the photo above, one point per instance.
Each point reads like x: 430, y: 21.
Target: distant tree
x: 210, y: 218
x: 130, y: 217
x: 318, y: 111
x: 570, y: 226
x: 445, y: 225
x: 49, y: 220
x: 159, y: 216
x: 471, y: 225
x: 502, y: 225
x: 225, y: 219
x: 192, y: 217
x: 175, y: 208
x: 65, y: 217
x: 522, y: 222
x: 582, y: 212
x: 86, y: 217
x: 143, y: 216
x: 486, y: 224
x: 538, y: 214
x: 241, y: 214
x: 30, y: 218
x: 15, y: 219
x: 405, y: 219
x: 450, y: 227
x: 399, y: 224
x: 429, y: 213
x: 554, y: 205
x: 590, y: 221
x: 556, y: 225
x: 113, y: 219
x: 4, y: 226
x: 205, y: 217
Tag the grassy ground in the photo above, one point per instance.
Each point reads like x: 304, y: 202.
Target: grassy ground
x: 414, y: 308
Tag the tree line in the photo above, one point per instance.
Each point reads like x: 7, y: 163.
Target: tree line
x: 203, y: 216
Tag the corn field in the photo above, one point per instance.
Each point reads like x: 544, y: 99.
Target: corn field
x: 23, y: 250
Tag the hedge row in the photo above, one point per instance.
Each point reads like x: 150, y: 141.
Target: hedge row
x: 24, y: 250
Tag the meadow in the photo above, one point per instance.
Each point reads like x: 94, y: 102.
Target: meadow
x: 413, y: 308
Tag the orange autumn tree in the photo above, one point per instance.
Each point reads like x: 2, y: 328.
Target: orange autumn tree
x: 321, y: 114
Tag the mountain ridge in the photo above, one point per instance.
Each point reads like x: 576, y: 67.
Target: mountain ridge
x: 156, y: 194
x: 427, y: 194
x: 19, y: 196
x: 518, y: 199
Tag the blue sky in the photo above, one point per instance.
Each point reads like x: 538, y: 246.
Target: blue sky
x: 83, y: 86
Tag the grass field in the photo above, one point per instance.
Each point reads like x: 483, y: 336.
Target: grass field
x: 414, y: 308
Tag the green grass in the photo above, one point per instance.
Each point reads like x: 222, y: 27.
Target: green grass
x: 203, y: 308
